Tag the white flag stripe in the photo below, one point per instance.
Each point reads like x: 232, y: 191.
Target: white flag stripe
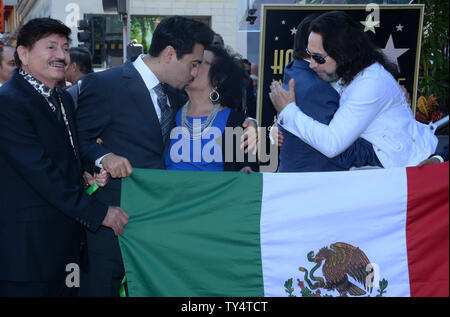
x: 303, y: 212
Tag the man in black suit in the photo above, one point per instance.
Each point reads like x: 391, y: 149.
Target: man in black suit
x: 43, y: 207
x: 131, y: 108
x: 80, y: 65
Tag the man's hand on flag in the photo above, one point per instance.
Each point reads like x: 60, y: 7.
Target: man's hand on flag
x: 117, y: 166
x: 116, y: 219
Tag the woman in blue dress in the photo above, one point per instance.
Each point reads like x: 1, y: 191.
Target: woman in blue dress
x: 208, y: 126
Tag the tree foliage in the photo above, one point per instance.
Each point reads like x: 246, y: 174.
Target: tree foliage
x: 434, y: 57
x: 142, y: 28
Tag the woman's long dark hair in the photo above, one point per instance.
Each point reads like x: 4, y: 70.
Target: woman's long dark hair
x: 229, y: 76
x: 345, y: 41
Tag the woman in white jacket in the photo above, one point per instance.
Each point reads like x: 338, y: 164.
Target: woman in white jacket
x: 372, y: 104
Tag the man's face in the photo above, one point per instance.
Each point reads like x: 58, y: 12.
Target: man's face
x: 71, y: 72
x: 327, y: 70
x: 47, y: 59
x: 202, y: 79
x: 181, y: 72
x: 7, y: 65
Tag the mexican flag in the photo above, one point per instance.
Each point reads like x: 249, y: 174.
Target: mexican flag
x: 380, y: 232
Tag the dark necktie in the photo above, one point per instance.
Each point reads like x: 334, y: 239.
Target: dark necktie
x: 54, y: 99
x: 166, y: 111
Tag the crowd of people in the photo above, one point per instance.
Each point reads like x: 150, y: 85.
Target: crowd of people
x: 340, y: 108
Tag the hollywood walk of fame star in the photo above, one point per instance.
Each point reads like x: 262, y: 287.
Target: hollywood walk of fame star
x: 370, y: 24
x: 393, y: 53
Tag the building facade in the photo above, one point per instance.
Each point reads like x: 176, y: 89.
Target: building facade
x: 223, y: 15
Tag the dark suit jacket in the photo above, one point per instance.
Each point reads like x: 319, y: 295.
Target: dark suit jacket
x: 42, y: 201
x: 444, y: 153
x: 317, y: 99
x: 115, y: 105
x: 74, y: 91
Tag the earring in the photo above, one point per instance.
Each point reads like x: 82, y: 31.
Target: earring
x: 214, y: 95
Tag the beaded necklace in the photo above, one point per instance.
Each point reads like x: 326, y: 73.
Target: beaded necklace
x: 198, y: 131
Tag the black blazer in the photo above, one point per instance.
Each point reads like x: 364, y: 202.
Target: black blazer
x: 42, y: 202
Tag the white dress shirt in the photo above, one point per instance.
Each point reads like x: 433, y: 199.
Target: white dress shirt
x: 150, y: 81
x: 374, y: 107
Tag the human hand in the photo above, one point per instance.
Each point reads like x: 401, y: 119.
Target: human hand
x: 117, y: 166
x: 407, y: 95
x: 281, y: 98
x: 101, y: 178
x: 276, y: 136
x: 432, y: 160
x: 89, y: 178
x: 247, y: 170
x: 99, y: 141
x: 116, y: 219
x: 249, y: 140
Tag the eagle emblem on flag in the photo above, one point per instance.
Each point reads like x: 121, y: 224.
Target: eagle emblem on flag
x: 339, y: 262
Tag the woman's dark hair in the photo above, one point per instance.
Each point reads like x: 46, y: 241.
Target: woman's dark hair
x: 220, y: 38
x: 82, y: 57
x: 229, y: 76
x: 301, y: 37
x: 36, y: 29
x: 180, y: 33
x: 345, y: 41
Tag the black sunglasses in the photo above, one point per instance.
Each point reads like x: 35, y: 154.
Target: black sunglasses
x: 319, y: 59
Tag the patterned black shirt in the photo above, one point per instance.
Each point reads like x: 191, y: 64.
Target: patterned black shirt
x: 40, y: 87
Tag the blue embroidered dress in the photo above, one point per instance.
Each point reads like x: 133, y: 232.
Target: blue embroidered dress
x: 202, y: 154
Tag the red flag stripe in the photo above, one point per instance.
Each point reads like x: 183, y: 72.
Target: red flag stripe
x: 427, y: 230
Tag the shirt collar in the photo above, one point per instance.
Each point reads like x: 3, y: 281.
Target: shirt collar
x: 147, y: 75
x: 38, y: 85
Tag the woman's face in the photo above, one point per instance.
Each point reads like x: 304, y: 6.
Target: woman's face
x: 202, y: 82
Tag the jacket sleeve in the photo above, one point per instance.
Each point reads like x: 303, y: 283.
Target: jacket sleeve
x: 360, y: 153
x: 21, y: 146
x: 92, y: 118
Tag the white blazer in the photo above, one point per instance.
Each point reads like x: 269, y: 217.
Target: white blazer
x: 374, y: 107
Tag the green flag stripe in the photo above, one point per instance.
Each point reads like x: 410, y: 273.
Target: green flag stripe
x: 187, y: 236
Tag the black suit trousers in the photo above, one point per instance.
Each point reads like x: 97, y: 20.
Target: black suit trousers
x: 36, y: 289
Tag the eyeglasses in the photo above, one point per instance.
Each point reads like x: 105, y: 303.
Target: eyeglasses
x: 319, y: 59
